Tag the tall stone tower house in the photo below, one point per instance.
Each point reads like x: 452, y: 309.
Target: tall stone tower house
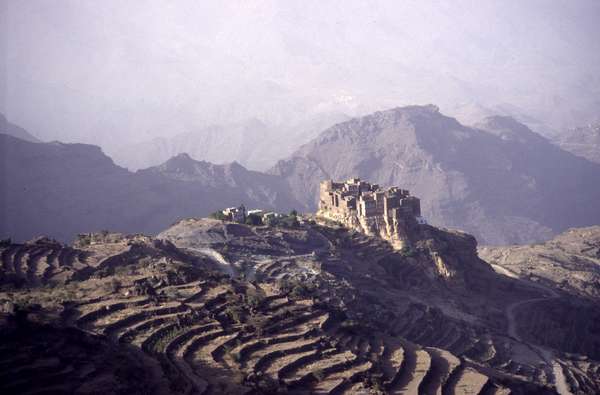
x: 389, y: 213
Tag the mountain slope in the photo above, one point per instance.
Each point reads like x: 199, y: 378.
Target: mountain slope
x: 583, y: 141
x: 568, y: 267
x: 15, y: 131
x: 64, y: 189
x: 500, y: 181
x: 570, y: 261
x: 218, y: 307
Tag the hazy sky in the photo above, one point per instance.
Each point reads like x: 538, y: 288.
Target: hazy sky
x: 111, y: 72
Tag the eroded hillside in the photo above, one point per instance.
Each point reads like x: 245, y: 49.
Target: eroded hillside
x: 214, y: 307
x: 568, y: 268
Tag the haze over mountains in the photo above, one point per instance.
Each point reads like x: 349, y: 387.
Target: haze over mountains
x: 465, y: 262
x: 61, y: 190
x: 582, y: 141
x: 499, y: 181
x: 252, y: 143
x: 15, y: 131
x: 114, y: 73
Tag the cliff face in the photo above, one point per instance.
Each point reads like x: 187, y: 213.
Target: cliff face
x: 397, y: 233
x: 499, y: 181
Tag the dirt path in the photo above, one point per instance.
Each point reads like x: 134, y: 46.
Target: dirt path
x: 214, y: 254
x: 546, y: 354
x: 511, y: 316
x: 501, y: 270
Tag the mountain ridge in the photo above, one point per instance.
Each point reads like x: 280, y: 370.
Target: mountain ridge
x: 505, y: 184
x: 79, y: 187
x: 253, y: 143
x: 16, y: 131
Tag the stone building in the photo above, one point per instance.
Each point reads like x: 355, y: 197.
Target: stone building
x: 235, y: 214
x: 388, y: 213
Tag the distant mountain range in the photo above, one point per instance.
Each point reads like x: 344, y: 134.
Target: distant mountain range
x: 15, y: 131
x: 253, y: 143
x: 499, y: 180
x: 64, y: 189
x: 582, y: 141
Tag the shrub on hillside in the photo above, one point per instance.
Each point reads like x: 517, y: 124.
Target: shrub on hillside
x: 254, y: 220
x: 218, y: 215
x: 254, y: 298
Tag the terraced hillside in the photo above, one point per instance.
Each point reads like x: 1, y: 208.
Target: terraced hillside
x: 568, y: 269
x: 212, y: 307
x: 570, y: 262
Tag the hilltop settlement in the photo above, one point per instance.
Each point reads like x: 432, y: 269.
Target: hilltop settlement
x: 356, y: 204
x: 366, y: 207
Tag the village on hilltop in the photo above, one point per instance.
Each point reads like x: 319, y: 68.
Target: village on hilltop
x: 357, y: 204
x: 387, y: 213
x: 255, y: 216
